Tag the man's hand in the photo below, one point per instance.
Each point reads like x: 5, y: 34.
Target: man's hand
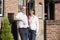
x: 24, y: 22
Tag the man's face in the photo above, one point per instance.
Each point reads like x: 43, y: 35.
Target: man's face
x: 24, y: 9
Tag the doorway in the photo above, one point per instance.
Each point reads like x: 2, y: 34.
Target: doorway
x: 30, y: 4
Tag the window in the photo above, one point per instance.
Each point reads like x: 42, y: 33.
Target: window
x: 40, y: 8
x: 20, y: 4
x: 49, y: 10
x: 56, y: 1
x: 1, y: 7
x: 52, y: 11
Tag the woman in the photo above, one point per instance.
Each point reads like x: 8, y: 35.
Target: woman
x: 33, y: 25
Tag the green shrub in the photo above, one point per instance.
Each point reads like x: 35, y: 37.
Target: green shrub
x: 6, y: 30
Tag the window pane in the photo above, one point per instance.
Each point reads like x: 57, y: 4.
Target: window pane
x: 49, y: 10
x: 1, y: 7
x: 56, y: 0
x: 20, y: 4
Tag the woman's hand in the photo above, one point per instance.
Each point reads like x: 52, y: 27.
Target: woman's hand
x: 37, y: 34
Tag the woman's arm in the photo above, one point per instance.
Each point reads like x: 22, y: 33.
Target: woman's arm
x: 37, y: 31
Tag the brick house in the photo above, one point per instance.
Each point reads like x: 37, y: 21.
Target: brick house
x: 10, y: 8
x: 46, y: 10
x: 52, y: 20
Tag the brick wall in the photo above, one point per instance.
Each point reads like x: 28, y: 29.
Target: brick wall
x: 53, y: 30
x: 53, y: 26
x: 10, y: 6
x: 57, y: 11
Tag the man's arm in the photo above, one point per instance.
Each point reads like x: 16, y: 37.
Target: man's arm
x: 17, y: 17
x: 25, y: 21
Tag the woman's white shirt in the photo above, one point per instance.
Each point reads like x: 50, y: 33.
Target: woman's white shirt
x: 34, y: 24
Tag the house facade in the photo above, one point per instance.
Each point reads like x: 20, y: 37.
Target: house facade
x: 10, y: 8
x: 52, y: 19
x: 48, y: 12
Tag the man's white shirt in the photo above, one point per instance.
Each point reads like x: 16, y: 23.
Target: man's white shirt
x: 22, y: 16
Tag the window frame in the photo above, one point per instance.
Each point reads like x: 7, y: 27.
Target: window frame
x: 56, y: 1
x: 48, y: 11
x: 20, y: 4
x: 2, y: 9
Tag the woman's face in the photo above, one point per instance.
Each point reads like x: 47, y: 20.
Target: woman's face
x: 31, y: 12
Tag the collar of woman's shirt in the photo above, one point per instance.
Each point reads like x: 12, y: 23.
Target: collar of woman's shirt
x: 31, y: 17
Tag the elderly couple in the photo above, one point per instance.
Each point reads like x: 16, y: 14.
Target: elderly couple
x: 28, y: 26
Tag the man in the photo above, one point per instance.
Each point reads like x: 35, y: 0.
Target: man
x: 22, y: 24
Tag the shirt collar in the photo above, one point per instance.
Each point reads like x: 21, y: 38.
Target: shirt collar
x: 22, y: 13
x: 32, y: 16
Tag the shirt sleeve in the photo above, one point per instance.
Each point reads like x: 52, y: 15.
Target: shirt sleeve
x: 17, y: 16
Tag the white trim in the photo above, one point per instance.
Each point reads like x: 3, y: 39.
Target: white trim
x: 20, y: 2
x: 1, y: 8
x: 1, y: 14
x: 40, y: 11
